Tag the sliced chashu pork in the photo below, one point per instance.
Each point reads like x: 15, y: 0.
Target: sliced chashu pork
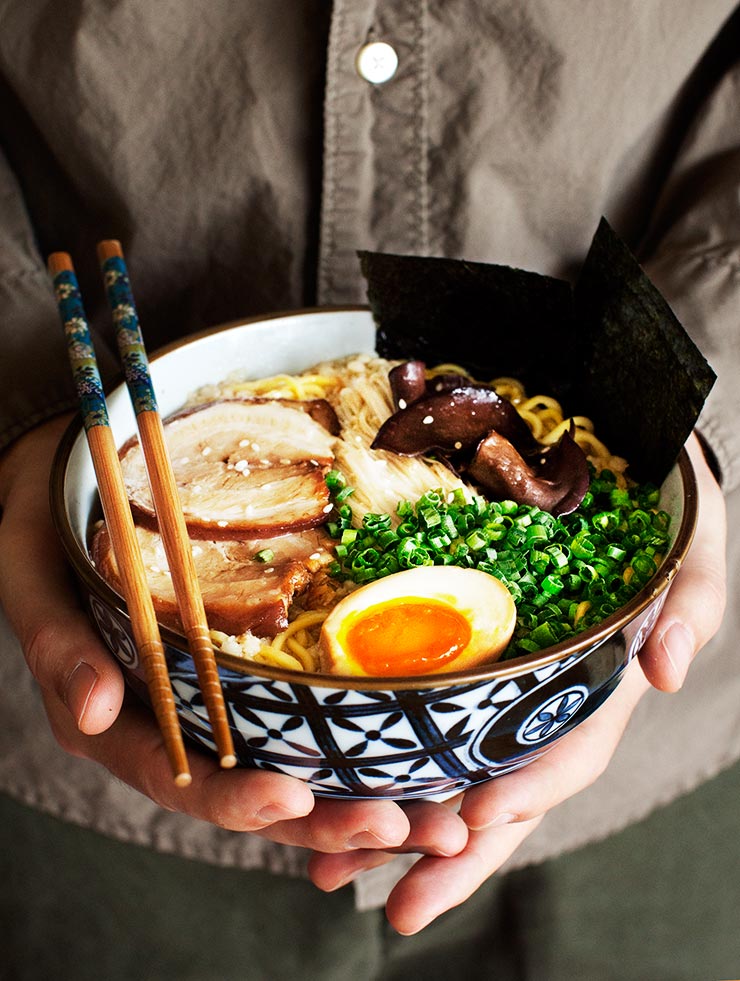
x: 240, y: 592
x: 251, y: 468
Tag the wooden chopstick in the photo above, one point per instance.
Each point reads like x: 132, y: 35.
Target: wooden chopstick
x: 167, y: 505
x: 117, y: 511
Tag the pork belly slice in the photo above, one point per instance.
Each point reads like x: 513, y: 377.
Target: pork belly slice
x: 252, y: 468
x: 240, y: 592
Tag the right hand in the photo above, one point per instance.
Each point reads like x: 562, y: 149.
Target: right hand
x: 83, y: 692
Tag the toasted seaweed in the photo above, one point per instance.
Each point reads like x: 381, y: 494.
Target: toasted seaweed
x: 474, y: 314
x: 611, y: 347
x: 644, y: 380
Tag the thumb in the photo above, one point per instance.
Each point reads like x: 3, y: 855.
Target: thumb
x: 695, y: 604
x: 63, y: 652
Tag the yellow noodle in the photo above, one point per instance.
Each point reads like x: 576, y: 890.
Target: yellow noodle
x: 534, y: 422
x: 448, y: 368
x: 542, y: 402
x: 270, y: 656
x: 310, y: 618
x: 594, y: 444
x: 359, y: 391
x: 307, y: 660
x: 556, y: 432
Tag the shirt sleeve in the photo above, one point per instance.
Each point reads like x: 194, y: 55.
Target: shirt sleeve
x: 695, y: 259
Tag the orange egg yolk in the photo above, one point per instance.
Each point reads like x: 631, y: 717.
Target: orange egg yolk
x: 407, y: 637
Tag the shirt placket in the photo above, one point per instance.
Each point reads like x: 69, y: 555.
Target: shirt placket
x: 375, y: 144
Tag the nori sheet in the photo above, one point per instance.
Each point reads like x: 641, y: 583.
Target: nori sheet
x: 475, y: 315
x: 610, y: 348
x: 644, y: 380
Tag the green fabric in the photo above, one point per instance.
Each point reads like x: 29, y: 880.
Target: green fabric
x: 658, y: 902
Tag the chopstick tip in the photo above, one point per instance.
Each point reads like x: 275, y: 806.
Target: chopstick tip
x: 183, y: 779
x: 59, y: 262
x: 109, y: 248
x: 228, y: 760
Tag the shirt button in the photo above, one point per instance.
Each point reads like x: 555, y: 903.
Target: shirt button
x: 376, y: 62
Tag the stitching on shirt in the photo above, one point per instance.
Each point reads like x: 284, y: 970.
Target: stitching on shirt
x: 421, y: 96
x: 327, y: 242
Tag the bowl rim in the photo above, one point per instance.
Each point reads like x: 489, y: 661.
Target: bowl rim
x: 511, y: 668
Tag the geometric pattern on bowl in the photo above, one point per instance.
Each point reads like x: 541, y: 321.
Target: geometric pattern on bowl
x: 406, y: 740
x: 400, y: 743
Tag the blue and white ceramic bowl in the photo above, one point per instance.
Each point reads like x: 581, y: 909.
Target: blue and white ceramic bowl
x: 399, y: 739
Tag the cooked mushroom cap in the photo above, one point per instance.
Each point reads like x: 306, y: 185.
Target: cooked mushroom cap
x: 556, y: 483
x: 451, y: 421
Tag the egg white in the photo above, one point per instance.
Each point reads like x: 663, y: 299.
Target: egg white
x: 484, y: 602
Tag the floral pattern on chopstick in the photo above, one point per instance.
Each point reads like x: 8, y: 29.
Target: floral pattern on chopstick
x: 88, y: 383
x: 128, y: 335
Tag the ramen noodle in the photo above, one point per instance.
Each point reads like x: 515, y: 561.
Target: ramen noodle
x: 359, y: 391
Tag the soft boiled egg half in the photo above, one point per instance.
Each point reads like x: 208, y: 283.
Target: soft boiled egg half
x: 420, y: 621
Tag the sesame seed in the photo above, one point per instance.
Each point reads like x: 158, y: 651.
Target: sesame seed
x: 402, y: 403
x: 427, y: 420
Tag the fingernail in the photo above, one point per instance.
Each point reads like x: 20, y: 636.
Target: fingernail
x: 79, y: 688
x: 369, y: 839
x: 271, y: 813
x: 678, y: 647
x: 343, y: 881
x: 500, y: 819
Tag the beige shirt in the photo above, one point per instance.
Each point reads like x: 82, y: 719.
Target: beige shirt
x: 242, y: 159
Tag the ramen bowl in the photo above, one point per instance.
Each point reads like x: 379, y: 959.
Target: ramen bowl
x: 398, y: 738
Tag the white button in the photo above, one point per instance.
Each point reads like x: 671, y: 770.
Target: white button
x: 376, y: 62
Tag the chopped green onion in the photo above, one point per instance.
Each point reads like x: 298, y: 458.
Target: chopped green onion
x: 565, y: 574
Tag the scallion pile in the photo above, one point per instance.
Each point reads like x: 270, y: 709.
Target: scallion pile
x: 565, y: 573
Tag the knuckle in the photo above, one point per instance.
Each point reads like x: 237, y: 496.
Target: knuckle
x: 712, y: 582
x: 69, y: 743
x: 38, y: 648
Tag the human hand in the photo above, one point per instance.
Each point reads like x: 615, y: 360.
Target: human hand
x: 696, y: 602
x: 83, y: 692
x: 503, y: 812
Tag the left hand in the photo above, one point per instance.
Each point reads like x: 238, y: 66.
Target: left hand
x: 503, y: 812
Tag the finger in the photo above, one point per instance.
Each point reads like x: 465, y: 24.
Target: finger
x: 695, y: 604
x: 343, y: 825
x: 277, y: 806
x: 132, y: 750
x: 64, y: 653
x: 435, y: 885
x: 434, y: 830
x: 574, y: 763
x: 331, y: 872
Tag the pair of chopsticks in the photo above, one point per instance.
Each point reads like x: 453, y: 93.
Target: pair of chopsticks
x: 116, y: 507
